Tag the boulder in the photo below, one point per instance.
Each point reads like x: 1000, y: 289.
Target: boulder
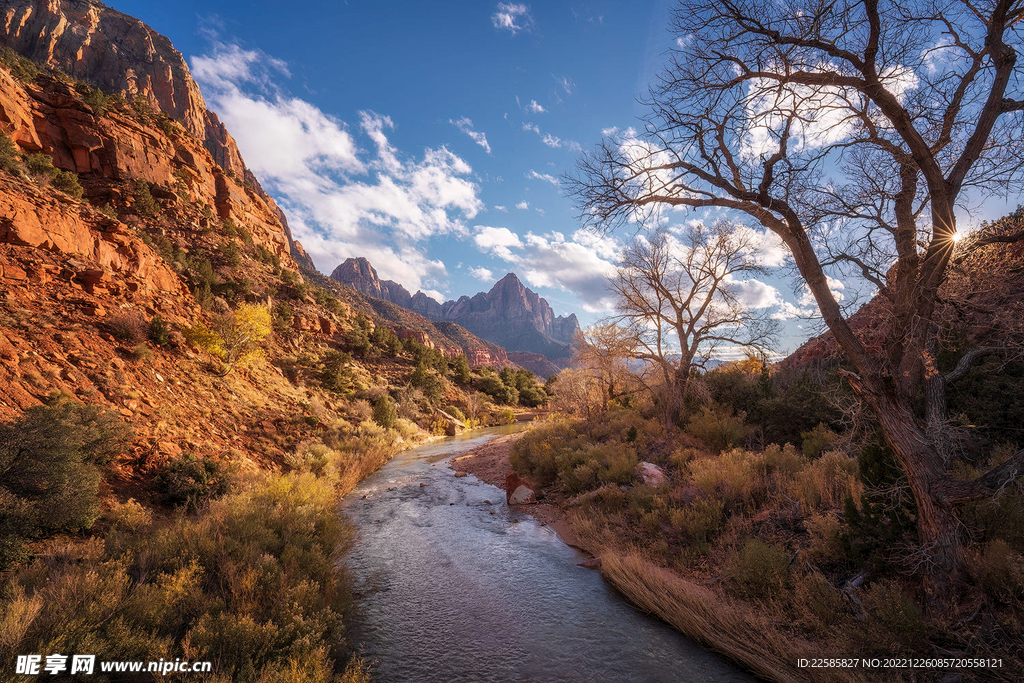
x: 518, y: 491
x: 650, y: 474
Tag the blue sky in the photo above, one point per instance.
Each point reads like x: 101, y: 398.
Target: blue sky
x: 430, y: 137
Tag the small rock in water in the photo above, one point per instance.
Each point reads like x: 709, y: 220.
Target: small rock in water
x: 492, y: 512
x: 451, y: 503
x: 392, y: 488
x: 376, y: 521
x: 487, y: 502
x: 461, y: 474
x: 422, y: 484
x: 364, y: 496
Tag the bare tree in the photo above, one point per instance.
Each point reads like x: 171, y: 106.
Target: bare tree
x: 851, y: 130
x: 678, y: 301
x: 605, y: 350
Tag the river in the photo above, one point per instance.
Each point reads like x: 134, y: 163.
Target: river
x: 458, y: 587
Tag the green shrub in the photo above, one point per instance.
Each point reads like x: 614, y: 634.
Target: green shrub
x: 108, y: 211
x: 759, y: 569
x: 506, y: 416
x: 49, y: 462
x: 426, y: 379
x: 229, y: 254
x: 338, y: 374
x: 817, y: 441
x: 190, y: 481
x: 40, y: 166
x: 456, y: 412
x: 699, y: 521
x: 67, y: 182
x: 384, y: 412
x: 718, y: 428
x: 145, y: 204
x: 10, y: 159
x: 97, y: 100
x: 22, y: 68
x: 159, y: 332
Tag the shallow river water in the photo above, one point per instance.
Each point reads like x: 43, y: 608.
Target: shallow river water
x: 454, y: 593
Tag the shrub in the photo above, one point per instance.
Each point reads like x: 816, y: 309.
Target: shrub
x: 108, y: 211
x: 384, y: 412
x: 898, y: 616
x: 229, y: 253
x: 817, y: 441
x: 40, y: 166
x: 999, y: 570
x: 67, y: 182
x: 49, y: 459
x: 159, y: 333
x: 455, y: 412
x: 141, y: 352
x: 506, y: 416
x: 828, y: 481
x: 718, y: 428
x: 190, y: 481
x: 731, y: 476
x: 698, y: 521
x: 338, y: 375
x: 22, y: 68
x: 127, y: 327
x: 145, y: 204
x: 826, y: 538
x: 818, y: 603
x: 10, y: 159
x: 759, y: 569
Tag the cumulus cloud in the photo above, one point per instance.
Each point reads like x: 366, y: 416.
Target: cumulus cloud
x: 346, y: 189
x: 580, y: 264
x: 523, y: 205
x: 535, y: 108
x: 551, y: 141
x: 512, y: 17
x: 546, y: 177
x: 499, y: 207
x: 496, y: 241
x: 466, y: 126
x: 531, y: 127
x: 482, y: 274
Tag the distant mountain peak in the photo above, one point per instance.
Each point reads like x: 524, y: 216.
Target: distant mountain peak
x: 510, y: 314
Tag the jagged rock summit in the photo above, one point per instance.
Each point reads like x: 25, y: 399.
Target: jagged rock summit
x: 509, y: 314
x: 119, y: 54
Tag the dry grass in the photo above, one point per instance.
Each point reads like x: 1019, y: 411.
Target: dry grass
x: 730, y: 628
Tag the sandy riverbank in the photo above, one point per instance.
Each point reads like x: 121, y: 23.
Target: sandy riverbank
x: 490, y: 463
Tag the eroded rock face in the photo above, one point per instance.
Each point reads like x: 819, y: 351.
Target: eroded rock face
x: 52, y: 118
x: 120, y: 54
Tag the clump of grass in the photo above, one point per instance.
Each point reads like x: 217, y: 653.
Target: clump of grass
x: 758, y: 569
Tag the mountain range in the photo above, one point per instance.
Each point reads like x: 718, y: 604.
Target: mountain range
x: 510, y: 315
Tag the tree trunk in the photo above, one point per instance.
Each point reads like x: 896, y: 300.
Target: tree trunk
x: 940, y: 558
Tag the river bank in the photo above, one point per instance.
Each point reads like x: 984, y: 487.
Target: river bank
x: 490, y: 463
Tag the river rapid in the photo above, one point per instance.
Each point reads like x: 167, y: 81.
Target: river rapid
x: 457, y: 587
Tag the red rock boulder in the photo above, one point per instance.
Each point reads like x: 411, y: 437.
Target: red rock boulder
x: 518, y: 491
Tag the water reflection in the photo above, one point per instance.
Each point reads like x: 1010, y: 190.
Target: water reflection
x: 456, y: 593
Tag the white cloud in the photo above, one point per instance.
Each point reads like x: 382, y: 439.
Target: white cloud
x: 512, y: 17
x: 566, y: 84
x: 466, y: 126
x: 532, y: 127
x: 496, y: 241
x: 499, y: 207
x: 535, y: 108
x: 546, y: 177
x: 523, y: 205
x: 343, y: 198
x: 581, y: 264
x: 551, y: 141
x: 482, y: 274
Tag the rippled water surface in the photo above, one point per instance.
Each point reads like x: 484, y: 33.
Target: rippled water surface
x: 455, y: 593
